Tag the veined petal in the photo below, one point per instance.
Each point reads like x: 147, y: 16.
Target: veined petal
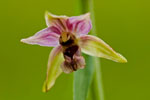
x: 80, y: 25
x: 46, y: 37
x: 94, y: 46
x: 53, y: 70
x: 57, y: 21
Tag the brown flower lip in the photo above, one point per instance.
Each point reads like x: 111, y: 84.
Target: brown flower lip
x: 71, y: 53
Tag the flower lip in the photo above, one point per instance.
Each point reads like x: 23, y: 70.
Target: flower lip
x: 73, y: 59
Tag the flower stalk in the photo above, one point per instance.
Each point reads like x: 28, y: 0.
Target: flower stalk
x: 97, y: 90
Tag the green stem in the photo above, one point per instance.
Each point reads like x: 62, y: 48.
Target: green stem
x: 97, y: 84
x: 97, y: 91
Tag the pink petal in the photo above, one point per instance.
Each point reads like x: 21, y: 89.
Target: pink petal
x: 46, y: 37
x: 57, y: 21
x: 80, y: 25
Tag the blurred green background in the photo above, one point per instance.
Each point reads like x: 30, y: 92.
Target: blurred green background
x: 123, y: 24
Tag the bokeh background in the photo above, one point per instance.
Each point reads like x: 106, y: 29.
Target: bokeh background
x: 124, y: 24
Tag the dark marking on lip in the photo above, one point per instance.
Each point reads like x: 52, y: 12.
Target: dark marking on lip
x: 70, y: 51
x: 69, y: 42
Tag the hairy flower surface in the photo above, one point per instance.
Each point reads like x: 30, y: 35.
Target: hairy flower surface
x: 68, y: 36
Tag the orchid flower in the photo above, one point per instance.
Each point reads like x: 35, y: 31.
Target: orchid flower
x: 68, y: 36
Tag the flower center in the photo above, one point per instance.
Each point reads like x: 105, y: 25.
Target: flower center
x: 69, y: 43
x: 67, y: 39
x: 71, y: 52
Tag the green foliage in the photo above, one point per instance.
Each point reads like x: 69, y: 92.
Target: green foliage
x: 124, y: 24
x: 83, y: 79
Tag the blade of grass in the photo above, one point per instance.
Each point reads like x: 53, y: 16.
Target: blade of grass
x: 83, y: 78
x: 97, y: 84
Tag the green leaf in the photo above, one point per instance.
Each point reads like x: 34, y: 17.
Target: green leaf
x: 83, y: 79
x: 53, y: 70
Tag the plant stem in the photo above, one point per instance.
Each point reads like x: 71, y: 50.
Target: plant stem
x: 97, y: 84
x: 83, y: 78
x: 96, y: 90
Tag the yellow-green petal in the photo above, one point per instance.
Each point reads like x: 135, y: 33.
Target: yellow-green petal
x: 53, y: 70
x: 94, y: 46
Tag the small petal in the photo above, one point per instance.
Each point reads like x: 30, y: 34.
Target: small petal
x: 46, y: 37
x: 53, y: 70
x: 94, y: 46
x: 57, y: 21
x: 80, y: 25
